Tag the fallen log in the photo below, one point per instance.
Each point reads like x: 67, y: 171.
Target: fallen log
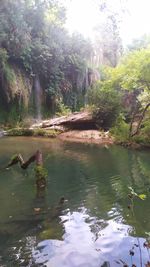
x: 77, y: 120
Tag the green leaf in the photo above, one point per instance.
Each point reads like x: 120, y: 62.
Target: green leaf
x: 142, y: 196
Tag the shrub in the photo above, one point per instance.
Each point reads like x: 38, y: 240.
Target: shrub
x: 20, y: 132
x: 61, y: 109
x: 144, y: 135
x: 121, y: 129
x: 105, y: 106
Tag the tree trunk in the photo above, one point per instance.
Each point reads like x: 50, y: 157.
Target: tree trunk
x: 140, y: 121
x: 132, y: 120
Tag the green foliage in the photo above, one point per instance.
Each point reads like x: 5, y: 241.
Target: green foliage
x: 33, y: 37
x: 142, y: 196
x: 145, y: 131
x: 3, y: 117
x: 134, y: 194
x: 3, y: 58
x: 120, y: 130
x: 40, y: 172
x: 13, y: 157
x: 33, y: 132
x: 109, y: 43
x: 6, y: 72
x: 61, y: 109
x: 106, y: 104
x: 15, y: 33
x: 20, y: 132
x: 132, y: 73
x: 140, y: 43
x: 143, y: 137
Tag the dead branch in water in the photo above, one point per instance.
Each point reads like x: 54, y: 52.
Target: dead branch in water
x: 39, y: 169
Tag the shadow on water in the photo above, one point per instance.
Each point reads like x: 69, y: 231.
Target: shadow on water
x: 95, y: 227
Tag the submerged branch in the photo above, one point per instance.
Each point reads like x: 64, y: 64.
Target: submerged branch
x: 40, y: 172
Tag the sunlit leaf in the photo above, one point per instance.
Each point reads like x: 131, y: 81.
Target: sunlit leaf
x: 142, y: 196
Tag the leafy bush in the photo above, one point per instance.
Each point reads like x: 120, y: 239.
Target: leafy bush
x: 106, y: 105
x: 33, y: 132
x: 5, y: 70
x: 121, y: 129
x: 61, y: 109
x: 146, y: 128
x: 20, y: 132
x: 144, y: 135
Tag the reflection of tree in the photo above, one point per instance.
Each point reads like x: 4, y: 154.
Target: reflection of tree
x: 139, y: 179
x: 144, y: 168
x: 107, y: 175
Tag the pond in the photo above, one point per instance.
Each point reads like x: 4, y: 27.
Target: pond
x: 99, y: 224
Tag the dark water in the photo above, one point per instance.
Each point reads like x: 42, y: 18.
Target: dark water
x: 94, y: 225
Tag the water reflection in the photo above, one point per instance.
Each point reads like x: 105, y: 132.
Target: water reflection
x: 79, y: 247
x: 95, y: 227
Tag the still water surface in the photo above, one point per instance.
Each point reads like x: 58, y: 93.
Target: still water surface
x: 93, y: 226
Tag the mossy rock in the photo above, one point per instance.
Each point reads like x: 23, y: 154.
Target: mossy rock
x: 20, y: 132
x: 51, y: 231
x: 33, y: 132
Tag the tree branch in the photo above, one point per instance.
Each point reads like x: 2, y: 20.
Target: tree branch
x: 141, y: 119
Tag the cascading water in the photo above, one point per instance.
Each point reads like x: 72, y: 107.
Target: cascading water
x: 1, y: 133
x: 91, y: 76
x: 37, y: 98
x: 86, y: 87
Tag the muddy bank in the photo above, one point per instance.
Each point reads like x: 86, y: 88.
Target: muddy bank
x: 87, y: 136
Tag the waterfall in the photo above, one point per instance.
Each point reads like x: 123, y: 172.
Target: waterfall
x: 86, y: 87
x: 2, y: 133
x: 37, y: 98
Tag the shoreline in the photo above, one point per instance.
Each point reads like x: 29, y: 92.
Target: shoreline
x: 87, y: 136
x: 77, y: 136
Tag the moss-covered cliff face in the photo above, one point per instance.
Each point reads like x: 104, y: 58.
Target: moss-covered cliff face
x: 42, y: 67
x: 16, y: 93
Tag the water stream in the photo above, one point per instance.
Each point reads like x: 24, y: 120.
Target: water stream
x: 37, y: 96
x: 94, y: 227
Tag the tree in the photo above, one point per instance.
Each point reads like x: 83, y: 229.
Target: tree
x: 14, y: 31
x: 133, y: 74
x: 106, y: 103
x: 108, y: 43
x: 32, y: 35
x: 140, y: 43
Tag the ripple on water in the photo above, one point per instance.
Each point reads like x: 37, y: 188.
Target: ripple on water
x: 79, y: 247
x: 94, y: 178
